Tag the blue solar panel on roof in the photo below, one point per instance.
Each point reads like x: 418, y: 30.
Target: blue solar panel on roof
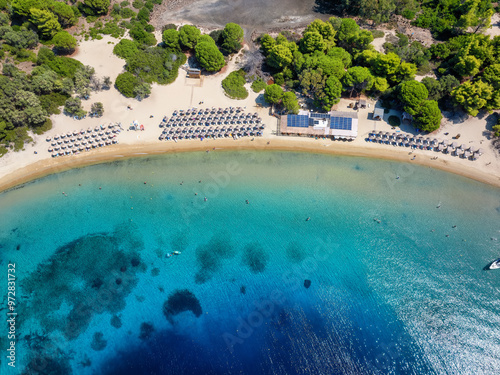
x: 297, y: 121
x: 341, y: 123
x: 320, y: 115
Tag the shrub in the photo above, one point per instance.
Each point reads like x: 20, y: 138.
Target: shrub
x: 378, y: 34
x: 64, y: 66
x: 44, y: 55
x: 258, y: 85
x: 64, y: 42
x: 169, y: 26
x: 73, y: 107
x: 125, y: 83
x: 394, y: 120
x: 143, y: 15
x: 233, y: 85
x: 138, y: 4
x: 51, y: 102
x: 127, y: 13
x: 97, y: 109
x: 46, y: 126
x: 142, y: 36
x: 25, y: 55
x: 126, y: 49
x: 408, y: 14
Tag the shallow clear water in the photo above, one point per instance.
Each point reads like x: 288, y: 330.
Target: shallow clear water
x: 394, y: 288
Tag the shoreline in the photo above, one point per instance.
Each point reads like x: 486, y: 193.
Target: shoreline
x: 48, y: 167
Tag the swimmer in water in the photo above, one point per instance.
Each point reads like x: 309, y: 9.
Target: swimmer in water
x: 205, y: 199
x: 309, y: 218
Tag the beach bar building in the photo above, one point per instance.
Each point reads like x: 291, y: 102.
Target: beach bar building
x: 378, y: 114
x: 194, y: 73
x: 337, y: 125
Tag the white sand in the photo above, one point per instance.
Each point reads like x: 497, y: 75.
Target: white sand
x: 16, y: 168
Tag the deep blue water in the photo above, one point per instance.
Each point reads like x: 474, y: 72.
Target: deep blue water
x: 395, y: 284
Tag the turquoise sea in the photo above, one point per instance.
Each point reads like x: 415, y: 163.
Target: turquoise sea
x: 293, y: 264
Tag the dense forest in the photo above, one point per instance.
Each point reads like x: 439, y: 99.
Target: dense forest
x: 329, y: 59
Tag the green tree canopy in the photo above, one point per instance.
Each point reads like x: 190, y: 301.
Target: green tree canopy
x: 492, y: 75
x: 64, y: 42
x: 273, y: 94
x: 468, y: 66
x: 267, y: 43
x: 290, y: 102
x: 412, y: 94
x: 348, y: 28
x: 170, y: 38
x: 331, y: 93
x: 97, y: 7
x: 23, y: 7
x: 126, y: 49
x: 140, y: 35
x: 126, y: 83
x: 473, y: 96
x: 324, y: 28
x: 208, y: 55
x: 232, y: 33
x: 358, y: 79
x: 280, y: 56
x: 312, y: 41
x: 45, y: 21
x: 65, y: 13
x: 428, y: 118
x: 340, y: 54
x: 312, y: 82
x: 188, y: 36
x: 330, y: 66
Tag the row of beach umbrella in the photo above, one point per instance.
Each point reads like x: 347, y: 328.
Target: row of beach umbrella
x: 73, y: 143
x: 193, y: 132
x: 425, y: 143
x: 206, y: 111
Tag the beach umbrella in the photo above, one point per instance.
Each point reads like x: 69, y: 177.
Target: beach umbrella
x: 472, y: 149
x: 466, y: 154
x: 480, y: 151
x: 69, y: 134
x: 440, y: 147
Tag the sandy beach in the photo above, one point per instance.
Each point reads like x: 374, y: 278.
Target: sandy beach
x: 20, y: 167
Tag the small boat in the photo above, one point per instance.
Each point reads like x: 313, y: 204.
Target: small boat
x: 495, y: 265
x: 176, y: 252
